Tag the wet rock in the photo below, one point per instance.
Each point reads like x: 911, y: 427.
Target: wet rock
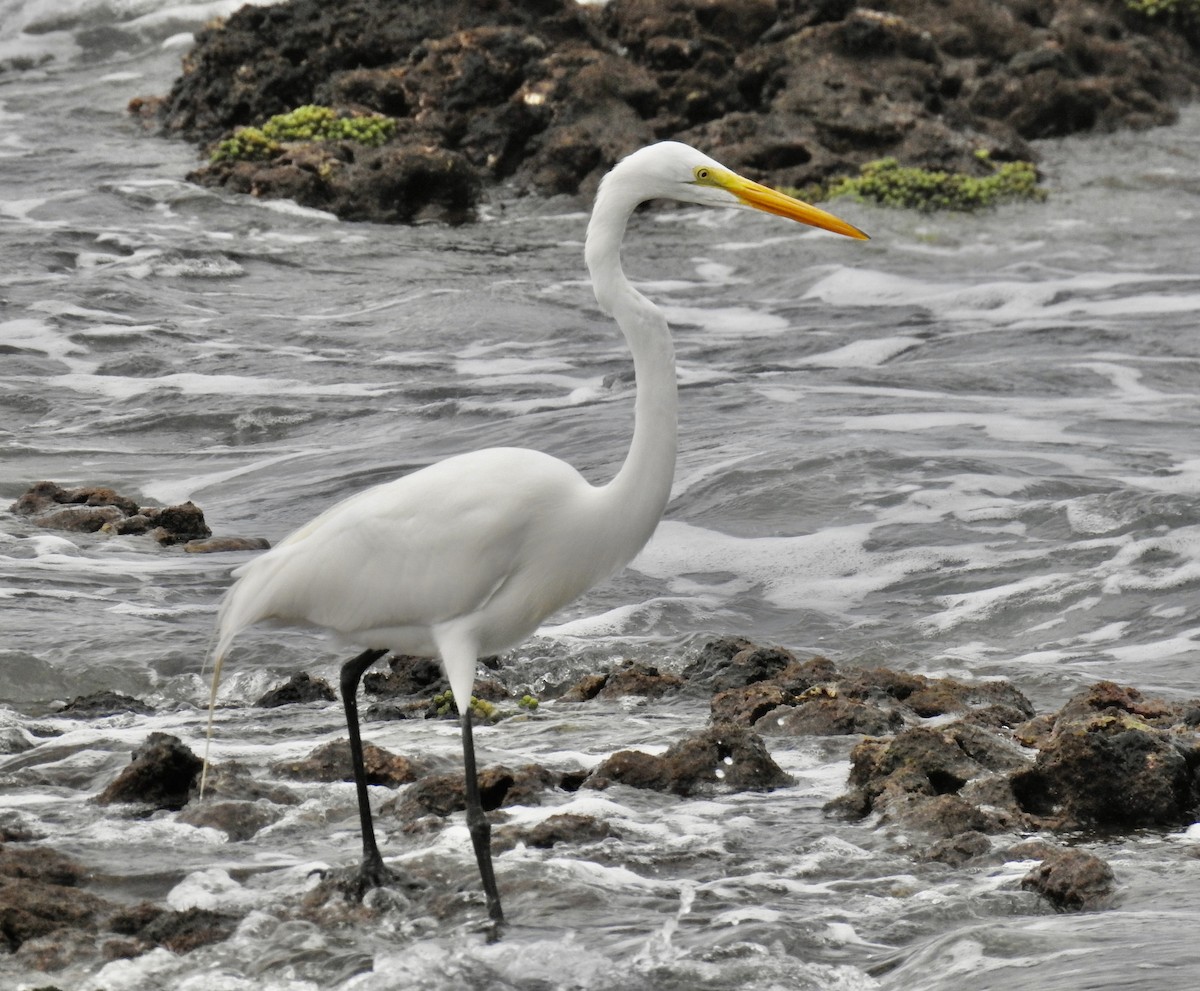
x: 220, y: 545
x: 959, y: 849
x: 160, y: 775
x: 445, y: 794
x: 103, y: 703
x: 407, y: 676
x: 34, y: 908
x: 826, y: 714
x: 567, y: 827
x: 234, y: 782
x: 1108, y: 771
x: 42, y: 497
x: 924, y: 761
x: 734, y: 663
x: 331, y: 762
x: 546, y: 94
x: 944, y: 817
x: 1072, y: 880
x: 78, y: 519
x: 745, y: 706
x: 92, y: 509
x: 629, y: 678
x: 300, y: 688
x: 238, y: 820
x: 46, y: 919
x: 723, y: 756
x: 149, y: 925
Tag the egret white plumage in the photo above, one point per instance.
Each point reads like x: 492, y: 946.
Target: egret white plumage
x: 466, y: 557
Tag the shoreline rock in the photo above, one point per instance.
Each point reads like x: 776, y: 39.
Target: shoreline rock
x: 99, y: 509
x: 543, y: 95
x: 963, y: 775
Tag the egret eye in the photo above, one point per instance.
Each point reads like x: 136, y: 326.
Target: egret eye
x: 701, y: 173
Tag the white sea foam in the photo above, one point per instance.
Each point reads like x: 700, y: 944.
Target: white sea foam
x: 196, y: 384
x: 861, y: 354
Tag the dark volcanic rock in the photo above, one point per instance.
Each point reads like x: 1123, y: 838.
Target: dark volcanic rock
x: 160, y: 775
x: 549, y: 93
x: 721, y: 756
x: 103, y: 704
x: 407, y: 676
x: 444, y: 794
x: 628, y: 678
x: 301, y: 687
x: 1111, y: 757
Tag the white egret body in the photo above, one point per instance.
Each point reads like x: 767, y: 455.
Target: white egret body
x: 467, y: 557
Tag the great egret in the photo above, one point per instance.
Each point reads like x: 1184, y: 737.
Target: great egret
x: 468, y: 556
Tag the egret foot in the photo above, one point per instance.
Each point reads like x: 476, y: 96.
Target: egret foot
x: 356, y: 882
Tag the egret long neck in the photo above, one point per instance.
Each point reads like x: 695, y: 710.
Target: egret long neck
x: 639, y: 492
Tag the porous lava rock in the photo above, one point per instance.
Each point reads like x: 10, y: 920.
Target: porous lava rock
x: 565, y: 827
x: 299, y: 688
x: 1072, y: 880
x: 103, y: 703
x: 628, y: 678
x: 49, y: 921
x: 721, y: 757
x: 331, y: 762
x: 1113, y: 758
x: 98, y: 509
x: 499, y: 785
x: 159, y: 775
x: 546, y: 94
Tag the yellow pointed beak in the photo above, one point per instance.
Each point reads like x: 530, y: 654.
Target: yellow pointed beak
x: 772, y: 201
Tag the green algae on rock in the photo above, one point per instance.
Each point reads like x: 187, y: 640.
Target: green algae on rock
x: 888, y: 183
x: 307, y: 123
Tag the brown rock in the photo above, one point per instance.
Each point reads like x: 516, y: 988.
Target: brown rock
x: 161, y: 775
x: 1072, y: 880
x: 331, y: 762
x: 722, y: 756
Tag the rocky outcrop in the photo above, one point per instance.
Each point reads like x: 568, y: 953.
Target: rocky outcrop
x: 547, y: 94
x: 99, y: 509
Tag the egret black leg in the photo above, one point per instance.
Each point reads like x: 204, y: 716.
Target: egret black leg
x: 481, y: 829
x: 372, y: 873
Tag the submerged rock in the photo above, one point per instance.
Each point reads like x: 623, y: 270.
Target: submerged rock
x: 104, y: 703
x: 50, y: 922
x: 566, y: 827
x: 331, y: 762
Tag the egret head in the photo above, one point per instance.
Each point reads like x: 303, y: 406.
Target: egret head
x: 672, y: 170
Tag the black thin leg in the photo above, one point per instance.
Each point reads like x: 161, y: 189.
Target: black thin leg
x: 372, y: 874
x: 481, y: 829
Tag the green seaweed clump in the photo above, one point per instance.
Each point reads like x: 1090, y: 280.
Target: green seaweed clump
x: 482, y: 709
x: 307, y: 123
x: 889, y: 183
x: 1183, y: 13
x: 529, y: 702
